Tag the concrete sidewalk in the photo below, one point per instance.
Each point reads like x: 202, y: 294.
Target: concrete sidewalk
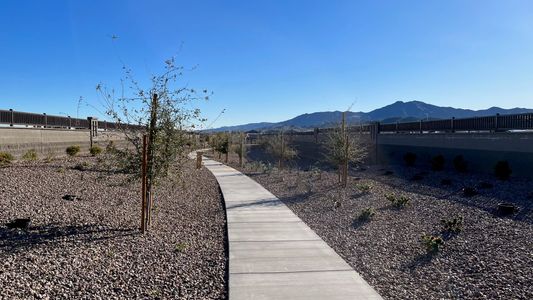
x: 273, y: 254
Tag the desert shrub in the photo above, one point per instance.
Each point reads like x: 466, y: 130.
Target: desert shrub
x: 6, y: 158
x: 181, y: 247
x: 363, y: 187
x: 437, y: 163
x: 432, y: 243
x: 30, y: 155
x: 398, y: 201
x: 502, y: 170
x: 95, y: 150
x: 409, y: 158
x: 454, y: 225
x: 460, y: 164
x: 73, y: 150
x: 367, y: 214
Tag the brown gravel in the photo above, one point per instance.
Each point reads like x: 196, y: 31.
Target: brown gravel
x: 491, y: 258
x: 91, y: 248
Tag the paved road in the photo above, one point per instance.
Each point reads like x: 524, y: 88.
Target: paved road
x: 273, y: 254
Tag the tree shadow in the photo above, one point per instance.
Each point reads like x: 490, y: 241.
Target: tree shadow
x: 420, y: 260
x: 360, y: 223
x: 15, y: 240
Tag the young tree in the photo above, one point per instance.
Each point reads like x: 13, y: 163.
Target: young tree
x: 164, y: 112
x: 344, y: 149
x: 277, y: 146
x: 222, y: 144
x: 239, y: 148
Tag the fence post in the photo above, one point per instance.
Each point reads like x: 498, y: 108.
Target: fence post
x: 397, y: 126
x: 420, y: 126
x: 12, y: 117
x: 496, y: 122
x: 69, y: 122
x: 453, y: 125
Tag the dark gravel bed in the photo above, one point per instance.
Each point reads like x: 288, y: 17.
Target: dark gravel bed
x: 90, y: 247
x: 491, y: 258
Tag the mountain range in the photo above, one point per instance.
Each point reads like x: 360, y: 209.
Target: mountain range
x: 397, y: 112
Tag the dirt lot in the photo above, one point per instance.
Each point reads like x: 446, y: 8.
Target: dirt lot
x: 89, y: 246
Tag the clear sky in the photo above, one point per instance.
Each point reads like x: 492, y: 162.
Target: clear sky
x: 271, y: 60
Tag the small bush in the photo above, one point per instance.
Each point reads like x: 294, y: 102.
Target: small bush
x: 460, y: 164
x: 409, y: 158
x: 364, y: 188
x: 502, y: 170
x: 73, y: 150
x: 437, y: 163
x: 95, y: 150
x: 180, y: 247
x: 367, y: 214
x: 454, y: 225
x: 398, y: 202
x: 30, y: 155
x: 432, y: 243
x: 6, y: 158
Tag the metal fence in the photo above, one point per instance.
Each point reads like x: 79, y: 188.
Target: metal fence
x: 496, y: 123
x: 487, y: 123
x: 12, y: 118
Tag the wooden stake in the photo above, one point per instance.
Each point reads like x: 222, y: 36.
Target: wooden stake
x: 199, y: 160
x: 144, y: 181
x: 242, y: 149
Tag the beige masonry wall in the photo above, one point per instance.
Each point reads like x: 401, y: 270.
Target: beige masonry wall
x: 51, y: 141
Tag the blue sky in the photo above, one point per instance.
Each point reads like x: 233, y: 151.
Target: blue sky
x: 271, y: 60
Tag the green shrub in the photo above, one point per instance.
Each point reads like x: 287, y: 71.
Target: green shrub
x: 30, y: 155
x: 437, y: 163
x: 95, y: 150
x: 398, y: 202
x: 180, y: 247
x: 502, y: 170
x: 73, y: 150
x: 409, y: 158
x: 6, y: 158
x: 432, y: 243
x: 367, y: 214
x: 460, y: 164
x: 454, y: 225
x: 364, y: 188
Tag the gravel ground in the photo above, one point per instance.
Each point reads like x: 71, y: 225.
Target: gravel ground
x: 491, y: 258
x: 91, y: 248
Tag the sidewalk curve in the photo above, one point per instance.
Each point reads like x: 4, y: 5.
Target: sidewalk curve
x: 273, y: 254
